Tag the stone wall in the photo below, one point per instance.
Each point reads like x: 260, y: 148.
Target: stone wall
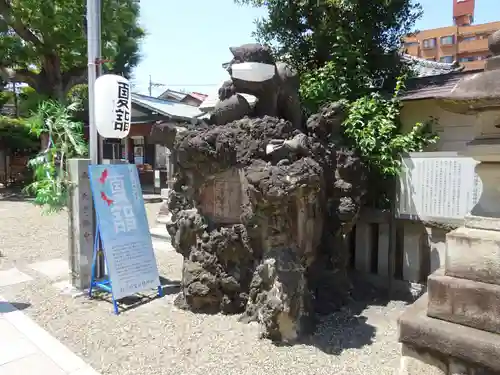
x: 418, y: 250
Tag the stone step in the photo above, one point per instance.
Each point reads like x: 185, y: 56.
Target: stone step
x: 467, y: 302
x: 453, y: 340
x: 159, y: 232
x: 473, y: 254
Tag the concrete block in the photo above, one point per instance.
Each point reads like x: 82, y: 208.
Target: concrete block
x: 412, y: 252
x: 473, y: 254
x: 465, y: 302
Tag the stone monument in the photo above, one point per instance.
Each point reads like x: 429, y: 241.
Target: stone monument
x: 455, y: 328
x: 262, y: 200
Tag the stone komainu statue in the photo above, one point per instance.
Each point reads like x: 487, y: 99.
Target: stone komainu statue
x: 275, y: 86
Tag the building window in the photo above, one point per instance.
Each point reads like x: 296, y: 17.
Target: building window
x: 469, y: 38
x: 447, y: 40
x: 112, y: 149
x: 409, y: 44
x: 468, y: 59
x: 446, y: 59
x: 431, y: 59
x: 138, y: 150
x: 430, y: 43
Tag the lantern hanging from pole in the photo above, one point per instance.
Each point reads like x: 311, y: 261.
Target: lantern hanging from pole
x: 113, y: 106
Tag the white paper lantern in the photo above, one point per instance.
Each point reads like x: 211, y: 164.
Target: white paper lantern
x: 113, y: 106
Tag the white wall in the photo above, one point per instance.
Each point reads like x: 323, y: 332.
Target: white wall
x: 454, y: 130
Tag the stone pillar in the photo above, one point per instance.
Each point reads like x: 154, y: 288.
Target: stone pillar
x: 81, y: 224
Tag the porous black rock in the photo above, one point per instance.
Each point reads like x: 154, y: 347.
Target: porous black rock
x: 260, y: 209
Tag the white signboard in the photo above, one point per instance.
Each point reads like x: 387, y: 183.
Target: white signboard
x: 438, y: 186
x: 113, y: 106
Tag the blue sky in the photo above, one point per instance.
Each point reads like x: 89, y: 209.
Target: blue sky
x: 188, y: 40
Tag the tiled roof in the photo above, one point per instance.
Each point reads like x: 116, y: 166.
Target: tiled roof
x: 198, y: 95
x: 426, y: 68
x: 177, y: 95
x: 430, y: 87
x: 168, y: 108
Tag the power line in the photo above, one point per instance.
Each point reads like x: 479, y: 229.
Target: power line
x: 153, y: 84
x: 193, y: 84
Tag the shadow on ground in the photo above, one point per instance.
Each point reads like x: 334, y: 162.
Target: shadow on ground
x: 13, y: 194
x: 168, y: 287
x: 347, y: 328
x: 6, y: 307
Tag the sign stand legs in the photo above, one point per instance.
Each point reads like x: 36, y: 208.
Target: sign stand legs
x: 103, y: 283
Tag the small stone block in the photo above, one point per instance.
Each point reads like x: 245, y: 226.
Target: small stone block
x: 12, y: 277
x: 53, y: 269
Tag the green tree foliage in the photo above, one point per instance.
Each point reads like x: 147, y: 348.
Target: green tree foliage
x: 43, y: 42
x: 373, y: 126
x: 341, y: 34
x: 51, y: 183
x: 342, y: 50
x: 16, y: 137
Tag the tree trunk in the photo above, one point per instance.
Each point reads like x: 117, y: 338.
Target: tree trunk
x: 50, y: 82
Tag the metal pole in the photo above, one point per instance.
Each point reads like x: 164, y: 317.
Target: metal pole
x: 94, y: 68
x: 93, y: 42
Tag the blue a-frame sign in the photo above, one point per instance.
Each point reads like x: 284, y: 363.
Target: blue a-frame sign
x: 123, y: 229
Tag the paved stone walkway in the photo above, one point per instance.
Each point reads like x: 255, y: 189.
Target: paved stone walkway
x: 26, y: 348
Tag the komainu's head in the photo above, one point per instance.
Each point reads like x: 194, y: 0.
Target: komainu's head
x: 252, y: 63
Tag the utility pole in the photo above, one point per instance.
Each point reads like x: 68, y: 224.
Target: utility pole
x: 153, y: 84
x: 94, y: 70
x: 93, y: 53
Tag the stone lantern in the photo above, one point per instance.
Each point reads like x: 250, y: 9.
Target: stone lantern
x: 455, y: 327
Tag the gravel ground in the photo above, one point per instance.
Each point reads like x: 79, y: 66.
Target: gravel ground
x: 156, y: 338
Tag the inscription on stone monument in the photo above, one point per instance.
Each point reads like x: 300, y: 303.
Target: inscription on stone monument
x: 222, y: 197
x: 441, y: 188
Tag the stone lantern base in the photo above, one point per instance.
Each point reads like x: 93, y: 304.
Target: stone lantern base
x: 454, y: 328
